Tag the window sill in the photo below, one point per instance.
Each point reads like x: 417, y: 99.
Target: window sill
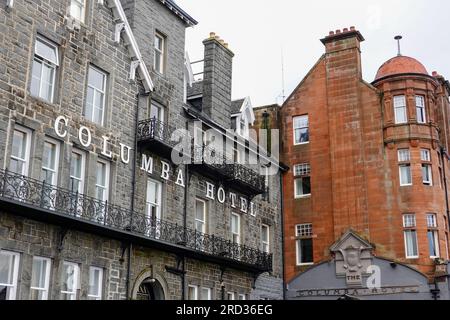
x: 412, y: 258
x: 305, y: 264
x: 406, y: 185
x: 301, y: 144
x: 308, y: 196
x: 42, y: 101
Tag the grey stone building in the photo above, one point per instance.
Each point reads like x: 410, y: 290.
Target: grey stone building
x: 92, y: 203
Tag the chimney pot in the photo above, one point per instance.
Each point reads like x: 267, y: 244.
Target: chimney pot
x: 435, y: 74
x: 352, y: 28
x: 331, y: 33
x: 338, y: 31
x: 225, y: 45
x: 212, y: 34
x: 345, y: 30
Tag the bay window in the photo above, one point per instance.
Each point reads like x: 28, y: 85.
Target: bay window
x: 400, y: 110
x: 420, y: 109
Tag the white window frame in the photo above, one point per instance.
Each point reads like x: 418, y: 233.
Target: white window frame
x: 81, y: 180
x: 400, y: 103
x: 158, y: 205
x: 432, y: 226
x: 162, y: 52
x: 107, y: 179
x: 420, y: 109
x: 265, y: 243
x: 410, y: 224
x: 233, y: 232
x: 429, y: 182
x: 404, y: 158
x: 242, y: 296
x: 76, y: 279
x: 50, y: 64
x: 46, y: 287
x: 299, y: 128
x: 26, y: 160
x: 425, y: 155
x: 82, y: 4
x: 55, y: 170
x: 296, y: 190
x: 195, y: 288
x: 209, y: 294
x: 92, y: 271
x: 230, y: 295
x: 15, y: 274
x: 203, y: 222
x: 302, y: 232
x: 97, y: 91
x: 160, y: 109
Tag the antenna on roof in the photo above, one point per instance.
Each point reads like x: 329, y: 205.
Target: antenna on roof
x: 398, y: 38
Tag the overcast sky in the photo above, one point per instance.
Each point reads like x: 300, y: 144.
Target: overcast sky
x: 259, y: 30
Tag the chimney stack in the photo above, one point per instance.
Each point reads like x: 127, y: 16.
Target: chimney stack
x: 217, y: 80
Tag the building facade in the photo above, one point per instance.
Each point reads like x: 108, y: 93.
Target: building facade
x: 365, y: 200
x: 93, y: 204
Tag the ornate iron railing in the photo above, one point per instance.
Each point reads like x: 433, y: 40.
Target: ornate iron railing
x: 81, y: 207
x: 153, y: 129
x: 248, y: 176
x: 207, y: 155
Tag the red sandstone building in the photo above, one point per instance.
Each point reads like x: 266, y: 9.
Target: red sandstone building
x: 367, y: 181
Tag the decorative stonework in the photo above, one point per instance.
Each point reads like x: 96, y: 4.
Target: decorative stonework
x: 352, y: 256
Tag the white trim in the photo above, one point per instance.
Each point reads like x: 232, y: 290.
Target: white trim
x: 15, y: 274
x: 239, y: 228
x: 265, y: 242
x: 404, y: 107
x: 45, y: 288
x: 54, y: 170
x: 242, y: 295
x: 294, y: 128
x: 100, y: 283
x: 232, y: 294
x: 406, y: 244
x: 97, y: 91
x: 26, y: 161
x: 161, y: 68
x: 209, y: 295
x: 204, y: 215
x: 83, y: 10
x: 195, y: 292
x: 119, y: 14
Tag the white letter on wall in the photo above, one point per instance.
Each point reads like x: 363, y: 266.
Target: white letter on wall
x: 125, y: 159
x: 210, y: 191
x: 57, y: 122
x: 233, y: 199
x: 244, y: 205
x: 105, y: 151
x: 147, y: 163
x: 180, y: 179
x: 221, y: 195
x: 87, y: 143
x: 165, y: 170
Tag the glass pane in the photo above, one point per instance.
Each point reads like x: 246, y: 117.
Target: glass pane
x: 101, y: 174
x: 47, y: 83
x: 158, y: 61
x: 89, y: 104
x: 96, y: 79
x: 155, y: 112
x: 39, y: 273
x: 46, y: 51
x: 6, y: 268
x: 158, y: 43
x: 100, y: 192
x: 192, y: 293
x: 75, y: 165
x: 206, y: 294
x: 38, y: 294
x: 264, y: 233
x: 400, y: 115
x: 76, y: 10
x: 94, y: 282
x: 17, y: 166
x: 152, y: 192
x: 49, y: 156
x: 200, y: 213
x: 432, y: 244
x: 306, y: 185
x: 69, y: 278
x: 411, y: 243
x: 306, y: 247
x: 405, y: 175
x: 200, y: 226
x: 98, y: 115
x: 19, y: 144
x: 36, y: 78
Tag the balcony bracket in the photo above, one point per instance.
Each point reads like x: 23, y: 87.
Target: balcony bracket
x: 61, y: 237
x: 178, y: 270
x: 123, y: 248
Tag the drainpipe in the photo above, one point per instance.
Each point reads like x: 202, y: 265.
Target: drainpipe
x: 282, y: 235
x: 443, y: 151
x: 186, y: 194
x: 133, y: 192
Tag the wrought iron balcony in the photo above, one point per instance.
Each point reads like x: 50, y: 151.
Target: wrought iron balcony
x: 246, y: 180
x: 209, y: 162
x: 40, y: 201
x: 156, y: 135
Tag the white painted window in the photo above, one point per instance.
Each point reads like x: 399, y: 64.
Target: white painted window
x: 102, y: 181
x: 77, y: 170
x: 420, y: 109
x: 410, y: 235
x: 427, y: 172
x: 200, y: 216
x: 95, y: 283
x: 78, y: 9
x: 230, y: 295
x: 242, y: 296
x: 304, y: 244
x: 20, y: 152
x: 433, y: 236
x: 160, y: 52
x: 400, y: 110
x: 96, y: 96
x: 156, y: 111
x: 425, y: 155
x: 153, y: 199
x: 301, y: 130
x: 70, y: 282
x: 236, y: 228
x: 192, y: 292
x: 302, y: 181
x: 206, y: 294
x: 40, y: 278
x: 50, y: 162
x: 404, y: 156
x: 45, y: 63
x: 265, y: 238
x: 9, y: 273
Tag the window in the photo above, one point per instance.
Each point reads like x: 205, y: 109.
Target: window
x: 9, y: 273
x: 265, y: 238
x: 410, y: 234
x: 206, y: 294
x: 192, y: 292
x: 45, y: 63
x: 304, y: 244
x: 96, y: 96
x: 40, y: 278
x: 404, y: 157
x: 301, y: 130
x: 302, y: 181
x: 102, y: 182
x: 50, y: 161
x: 77, y: 165
x: 70, y: 281
x: 153, y: 199
x: 160, y: 54
x: 156, y: 112
x: 420, y: 109
x: 95, y: 283
x: 77, y: 9
x: 400, y: 110
x: 20, y: 153
x: 427, y: 175
x: 236, y: 228
x: 230, y: 295
x: 242, y: 296
x: 200, y: 216
x: 433, y: 236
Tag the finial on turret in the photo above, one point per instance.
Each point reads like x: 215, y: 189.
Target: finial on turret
x: 398, y: 38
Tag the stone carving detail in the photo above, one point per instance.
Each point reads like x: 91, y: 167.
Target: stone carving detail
x: 352, y: 257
